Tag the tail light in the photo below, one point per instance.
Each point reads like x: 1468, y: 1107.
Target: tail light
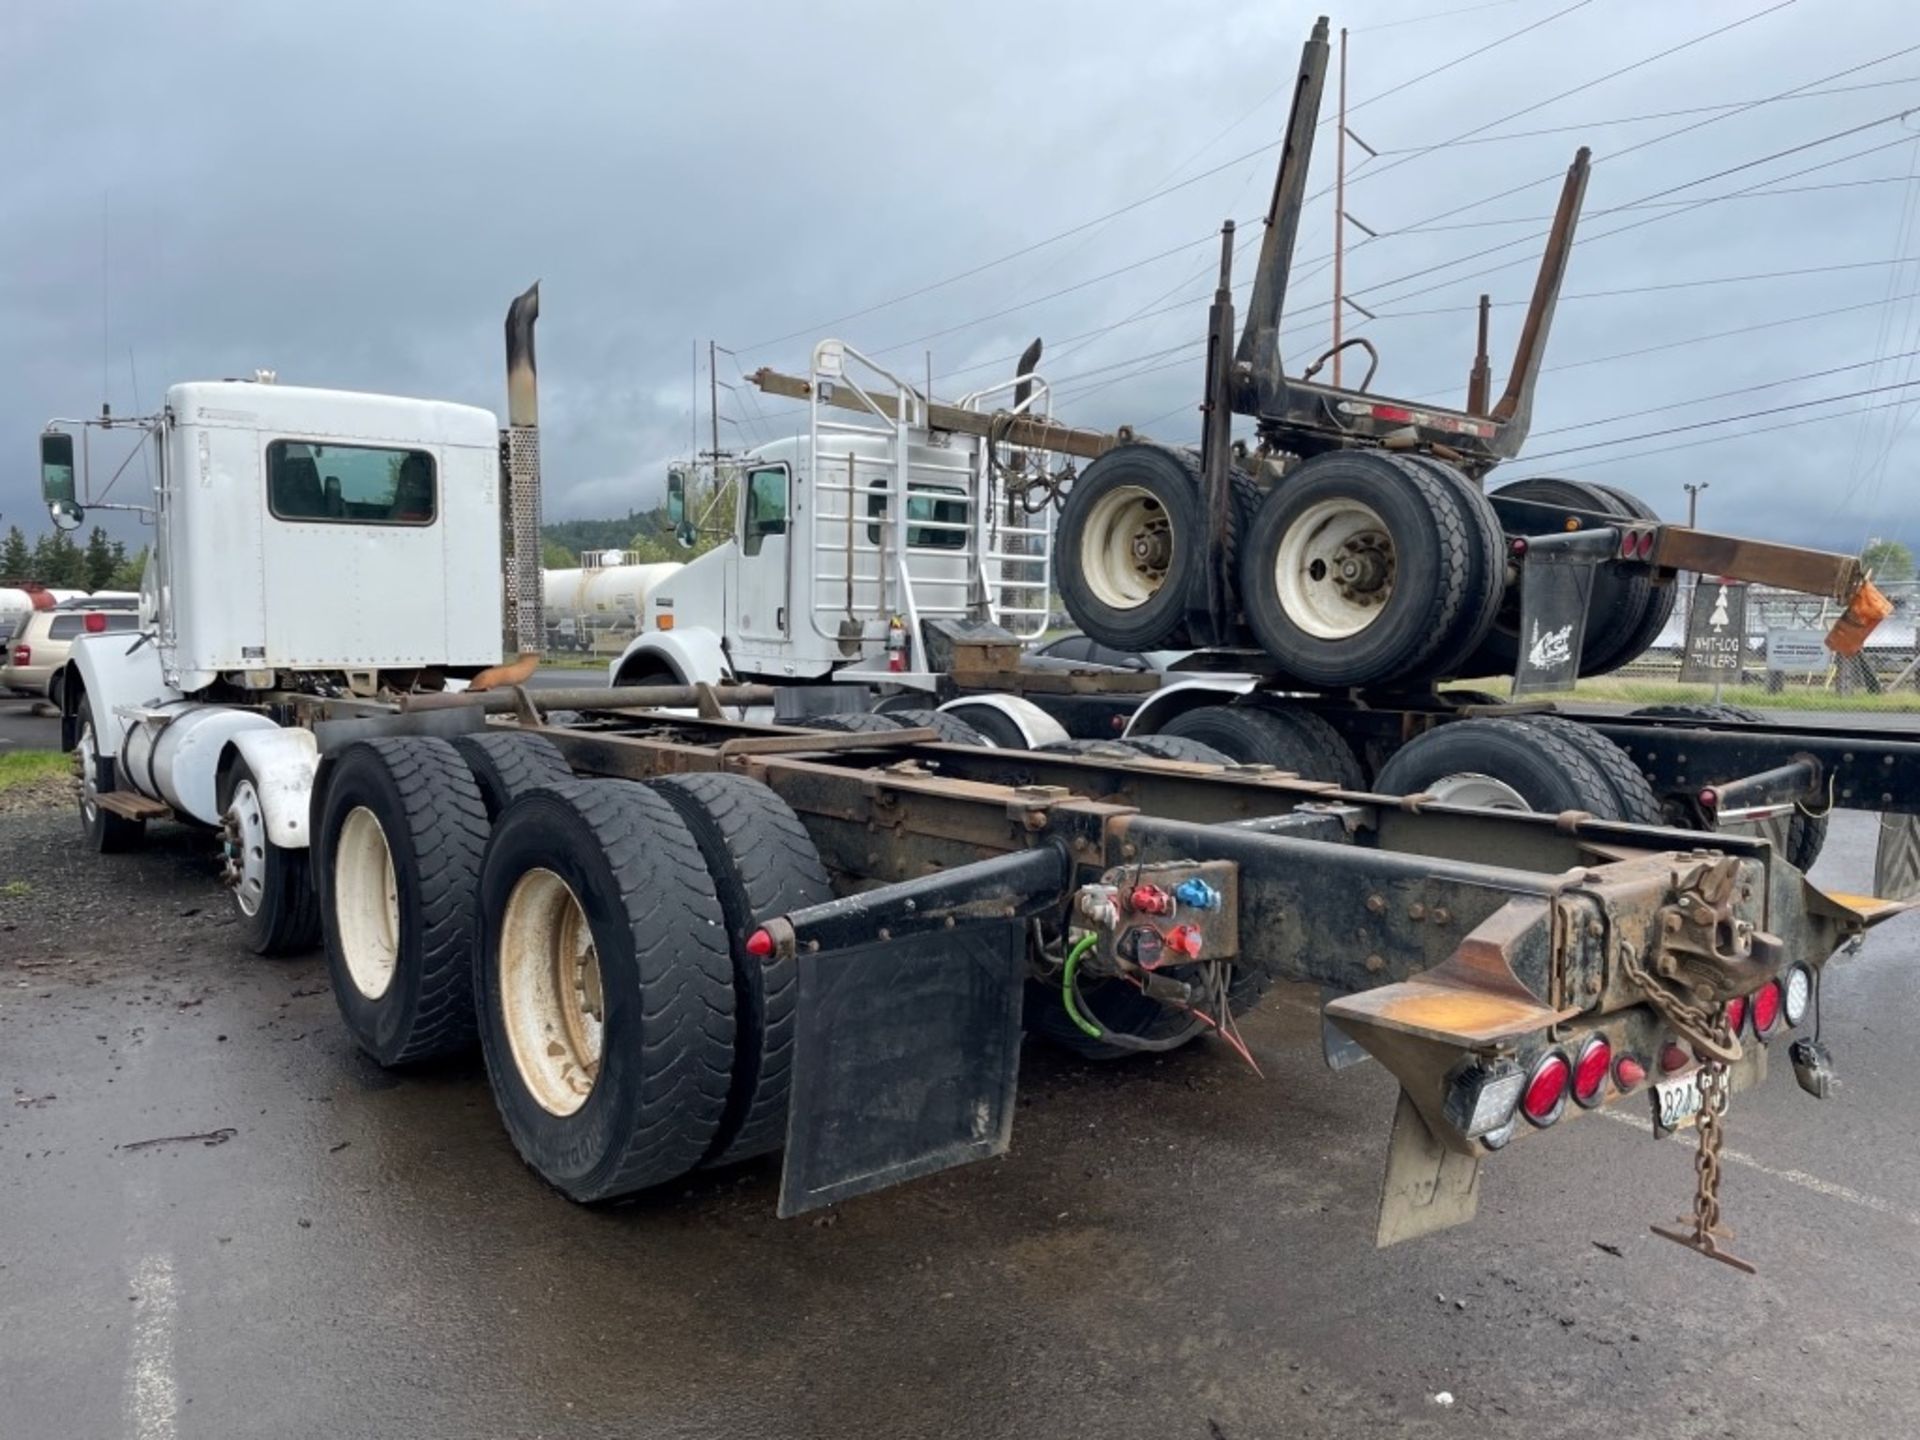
x: 96, y: 623
x: 1766, y: 1009
x: 1797, y: 994
x: 23, y: 654
x: 1736, y: 1014
x: 1629, y: 1072
x: 1590, y: 1070
x: 1545, y: 1097
x: 1481, y: 1100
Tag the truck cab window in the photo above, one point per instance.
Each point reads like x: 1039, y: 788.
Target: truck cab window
x: 937, y: 509
x: 349, y: 484
x: 766, y: 508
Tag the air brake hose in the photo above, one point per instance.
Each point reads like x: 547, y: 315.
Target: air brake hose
x: 1080, y: 948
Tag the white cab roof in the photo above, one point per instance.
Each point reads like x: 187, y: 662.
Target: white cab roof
x: 348, y: 414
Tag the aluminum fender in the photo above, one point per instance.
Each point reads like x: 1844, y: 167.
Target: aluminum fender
x: 1035, y: 724
x: 116, y: 671
x: 693, y: 654
x: 1184, y: 695
x: 283, y: 763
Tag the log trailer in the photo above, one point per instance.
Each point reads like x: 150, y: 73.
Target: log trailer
x: 1320, y: 586
x: 682, y: 939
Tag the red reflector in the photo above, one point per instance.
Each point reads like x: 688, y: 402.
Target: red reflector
x: 1766, y: 1007
x: 1546, y: 1093
x: 1119, y: 723
x: 760, y: 944
x: 1518, y: 545
x: 1674, y: 1056
x: 1628, y: 1072
x: 1736, y: 1013
x: 1392, y: 412
x: 96, y: 623
x: 1590, y: 1070
x: 1709, y: 799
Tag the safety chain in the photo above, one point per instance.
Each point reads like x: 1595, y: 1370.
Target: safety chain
x: 1716, y: 1089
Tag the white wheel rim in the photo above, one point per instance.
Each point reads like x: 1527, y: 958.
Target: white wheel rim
x: 89, y: 774
x: 246, y: 848
x: 551, y: 1002
x: 366, y: 903
x: 1334, y: 572
x: 1482, y: 792
x: 1126, y: 547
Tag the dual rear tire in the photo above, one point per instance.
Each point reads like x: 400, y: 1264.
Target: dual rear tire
x: 589, y: 934
x: 1358, y: 568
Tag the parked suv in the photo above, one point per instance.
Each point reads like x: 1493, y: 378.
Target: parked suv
x: 36, y: 652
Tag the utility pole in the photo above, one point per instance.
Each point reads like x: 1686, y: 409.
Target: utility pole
x: 713, y: 402
x: 1339, y: 209
x: 1693, y: 490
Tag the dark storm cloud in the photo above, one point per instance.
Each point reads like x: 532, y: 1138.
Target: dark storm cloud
x: 351, y: 194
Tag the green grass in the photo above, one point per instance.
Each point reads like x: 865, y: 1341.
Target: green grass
x: 15, y: 890
x: 1659, y: 692
x: 24, y: 767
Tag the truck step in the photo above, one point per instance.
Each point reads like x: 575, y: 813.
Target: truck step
x: 129, y: 806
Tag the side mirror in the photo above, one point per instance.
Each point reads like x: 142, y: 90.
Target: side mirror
x: 56, y: 468
x: 686, y: 534
x: 676, y: 498
x: 67, y: 514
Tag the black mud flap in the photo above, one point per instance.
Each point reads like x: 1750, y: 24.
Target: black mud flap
x: 1555, y: 591
x: 906, y: 1055
x: 1427, y: 1186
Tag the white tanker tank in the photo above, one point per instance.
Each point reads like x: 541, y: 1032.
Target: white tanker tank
x: 17, y: 604
x: 605, y: 595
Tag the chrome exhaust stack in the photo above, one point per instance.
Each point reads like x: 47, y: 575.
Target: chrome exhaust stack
x: 520, y: 465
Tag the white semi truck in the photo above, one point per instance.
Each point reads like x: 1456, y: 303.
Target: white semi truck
x: 679, y: 939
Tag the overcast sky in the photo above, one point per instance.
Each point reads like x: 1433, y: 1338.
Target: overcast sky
x: 350, y: 193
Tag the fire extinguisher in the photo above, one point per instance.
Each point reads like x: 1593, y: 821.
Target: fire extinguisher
x: 896, y: 645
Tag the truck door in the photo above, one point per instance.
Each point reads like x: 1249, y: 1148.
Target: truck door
x: 766, y: 558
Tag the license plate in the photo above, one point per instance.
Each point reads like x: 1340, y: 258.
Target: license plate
x: 1675, y: 1102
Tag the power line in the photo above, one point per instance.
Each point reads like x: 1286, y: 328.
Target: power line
x: 1441, y: 69
x: 1663, y: 137
x: 1721, y: 439
x: 968, y: 274
x: 1208, y: 239
x: 1411, y: 155
x: 1686, y: 340
x: 1638, y: 224
x: 1582, y: 126
x: 1722, y: 420
x: 1657, y: 204
x: 1660, y: 285
x: 1721, y: 395
x: 1437, y: 15
x: 1145, y: 199
x: 1683, y: 206
x: 1615, y: 293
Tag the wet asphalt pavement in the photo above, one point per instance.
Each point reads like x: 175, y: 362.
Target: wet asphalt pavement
x: 1172, y: 1248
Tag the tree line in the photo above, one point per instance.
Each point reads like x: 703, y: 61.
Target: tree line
x: 57, y: 562
x: 648, y: 534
